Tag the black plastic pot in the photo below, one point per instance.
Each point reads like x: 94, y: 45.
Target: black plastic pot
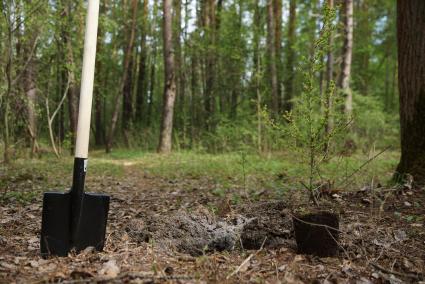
x: 317, y: 233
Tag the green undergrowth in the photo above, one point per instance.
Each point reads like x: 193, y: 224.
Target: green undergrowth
x: 278, y: 170
x: 23, y: 179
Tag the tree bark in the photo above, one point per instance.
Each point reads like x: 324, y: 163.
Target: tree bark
x: 165, y: 139
x: 29, y: 82
x: 128, y: 55
x: 177, y: 33
x: 73, y: 92
x: 127, y: 89
x: 99, y: 131
x: 329, y: 73
x: 364, y: 30
x: 411, y: 77
x: 142, y: 82
x: 277, y: 18
x: 347, y: 51
x: 290, y: 58
x: 272, y: 59
x: 210, y: 62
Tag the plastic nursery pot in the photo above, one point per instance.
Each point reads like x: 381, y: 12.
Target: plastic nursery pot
x: 317, y: 233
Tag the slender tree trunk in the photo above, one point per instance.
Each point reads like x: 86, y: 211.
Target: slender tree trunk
x: 364, y: 32
x: 256, y: 46
x: 329, y: 74
x: 152, y: 70
x: 8, y: 72
x: 73, y: 92
x: 272, y: 59
x: 347, y: 51
x: 99, y: 131
x: 128, y: 77
x: 194, y: 93
x: 142, y: 82
x: 210, y: 59
x: 124, y: 85
x: 411, y: 77
x: 30, y: 87
x: 152, y: 83
x: 277, y: 18
x: 290, y: 58
x: 165, y: 139
x: 177, y: 33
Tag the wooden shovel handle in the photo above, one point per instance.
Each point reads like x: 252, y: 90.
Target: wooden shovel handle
x: 87, y: 78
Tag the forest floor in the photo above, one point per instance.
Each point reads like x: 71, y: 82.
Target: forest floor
x: 166, y: 213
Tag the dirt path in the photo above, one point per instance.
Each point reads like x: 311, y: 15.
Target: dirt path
x: 148, y: 212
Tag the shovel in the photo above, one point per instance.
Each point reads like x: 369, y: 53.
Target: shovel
x: 74, y: 219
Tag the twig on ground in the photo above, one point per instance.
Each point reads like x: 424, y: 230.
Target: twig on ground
x: 408, y: 275
x: 246, y: 260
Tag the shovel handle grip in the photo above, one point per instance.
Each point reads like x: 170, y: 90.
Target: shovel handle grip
x: 87, y: 79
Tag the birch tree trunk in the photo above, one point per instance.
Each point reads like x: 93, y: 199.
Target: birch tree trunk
x: 329, y: 73
x: 165, y: 138
x: 29, y: 82
x: 347, y: 51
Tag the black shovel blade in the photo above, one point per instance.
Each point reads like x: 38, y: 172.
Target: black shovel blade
x: 55, y: 224
x: 59, y: 236
x: 91, y: 226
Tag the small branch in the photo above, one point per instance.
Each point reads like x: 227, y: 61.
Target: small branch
x: 362, y: 166
x: 246, y: 260
x: 408, y: 275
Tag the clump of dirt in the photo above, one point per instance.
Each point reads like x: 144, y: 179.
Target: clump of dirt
x: 270, y: 224
x: 199, y: 231
x: 195, y: 233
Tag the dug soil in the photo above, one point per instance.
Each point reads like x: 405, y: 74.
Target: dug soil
x: 179, y: 231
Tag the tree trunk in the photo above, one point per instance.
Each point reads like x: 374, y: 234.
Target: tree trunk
x: 99, y: 131
x: 329, y: 74
x: 347, y: 51
x: 125, y: 91
x: 272, y: 59
x: 290, y: 58
x: 128, y: 77
x: 277, y: 18
x: 30, y: 87
x: 177, y: 23
x: 165, y: 138
x: 411, y: 77
x: 152, y: 82
x: 142, y: 82
x: 73, y: 92
x: 364, y: 40
x: 210, y: 62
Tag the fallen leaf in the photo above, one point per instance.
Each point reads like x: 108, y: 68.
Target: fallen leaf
x: 110, y: 269
x: 400, y: 235
x: 7, y: 265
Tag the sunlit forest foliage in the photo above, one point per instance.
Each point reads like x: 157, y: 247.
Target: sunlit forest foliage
x: 239, y: 67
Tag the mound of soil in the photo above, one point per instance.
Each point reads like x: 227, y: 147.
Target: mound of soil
x: 195, y: 233
x: 199, y: 231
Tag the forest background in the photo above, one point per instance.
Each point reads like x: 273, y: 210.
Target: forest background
x: 239, y: 69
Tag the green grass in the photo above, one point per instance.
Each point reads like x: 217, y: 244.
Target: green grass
x: 276, y: 171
